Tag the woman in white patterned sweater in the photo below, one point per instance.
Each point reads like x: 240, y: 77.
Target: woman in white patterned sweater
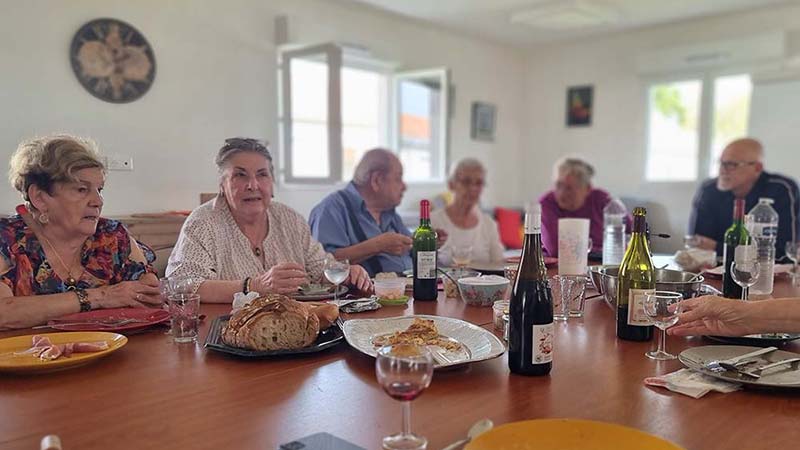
x: 243, y: 241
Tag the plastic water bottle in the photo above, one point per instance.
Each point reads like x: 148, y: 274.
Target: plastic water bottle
x: 614, y: 232
x: 764, y: 233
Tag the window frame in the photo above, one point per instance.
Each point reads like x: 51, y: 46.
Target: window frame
x: 705, y: 119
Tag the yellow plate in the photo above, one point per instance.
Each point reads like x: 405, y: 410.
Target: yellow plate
x: 567, y: 434
x: 9, y: 362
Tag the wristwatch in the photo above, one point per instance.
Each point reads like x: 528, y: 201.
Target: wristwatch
x: 83, y: 299
x: 246, y: 286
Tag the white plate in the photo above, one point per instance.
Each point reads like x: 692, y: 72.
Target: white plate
x: 787, y: 376
x: 479, y: 343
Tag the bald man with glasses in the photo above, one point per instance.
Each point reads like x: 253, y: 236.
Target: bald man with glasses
x: 742, y: 175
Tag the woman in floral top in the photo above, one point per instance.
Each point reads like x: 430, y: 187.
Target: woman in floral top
x: 57, y: 255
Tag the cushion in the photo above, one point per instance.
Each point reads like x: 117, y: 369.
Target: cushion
x: 509, y: 225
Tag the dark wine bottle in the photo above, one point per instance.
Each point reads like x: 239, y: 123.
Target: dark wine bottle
x: 424, y: 255
x: 735, y: 236
x: 636, y: 279
x: 530, y: 321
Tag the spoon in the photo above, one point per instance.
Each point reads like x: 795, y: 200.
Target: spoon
x: 478, y: 428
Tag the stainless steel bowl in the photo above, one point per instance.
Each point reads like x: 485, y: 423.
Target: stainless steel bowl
x: 605, y: 281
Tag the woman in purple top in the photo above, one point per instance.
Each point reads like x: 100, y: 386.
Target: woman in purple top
x: 573, y: 197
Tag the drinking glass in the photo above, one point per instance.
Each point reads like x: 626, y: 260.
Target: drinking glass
x: 745, y: 274
x: 184, y: 309
x: 404, y: 371
x: 462, y: 255
x: 793, y: 253
x: 177, y: 285
x: 663, y: 308
x: 336, y: 271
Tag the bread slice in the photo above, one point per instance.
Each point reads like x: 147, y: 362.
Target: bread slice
x: 272, y: 322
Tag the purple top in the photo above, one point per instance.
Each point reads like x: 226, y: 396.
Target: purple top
x: 591, y: 209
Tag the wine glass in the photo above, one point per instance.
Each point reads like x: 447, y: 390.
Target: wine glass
x: 404, y: 371
x: 663, y: 308
x: 745, y: 274
x: 336, y: 271
x: 462, y: 255
x: 793, y: 253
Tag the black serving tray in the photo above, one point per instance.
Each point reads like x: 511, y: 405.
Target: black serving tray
x: 326, y: 339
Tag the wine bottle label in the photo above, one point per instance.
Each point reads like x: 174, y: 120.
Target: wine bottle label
x: 426, y: 265
x: 542, y: 343
x: 636, y: 315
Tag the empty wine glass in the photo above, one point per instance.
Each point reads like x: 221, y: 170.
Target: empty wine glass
x: 793, y: 253
x: 663, y: 308
x: 336, y: 271
x: 745, y: 274
x: 404, y: 371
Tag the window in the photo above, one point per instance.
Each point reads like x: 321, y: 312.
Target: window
x: 685, y: 137
x: 336, y: 106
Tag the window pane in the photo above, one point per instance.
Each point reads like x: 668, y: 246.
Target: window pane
x: 309, y: 90
x: 731, y: 114
x: 362, y: 108
x: 419, y: 129
x: 672, y: 140
x: 310, y: 149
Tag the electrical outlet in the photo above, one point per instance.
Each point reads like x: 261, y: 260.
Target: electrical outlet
x: 119, y: 162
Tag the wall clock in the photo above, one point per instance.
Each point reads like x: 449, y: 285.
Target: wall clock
x: 112, y: 60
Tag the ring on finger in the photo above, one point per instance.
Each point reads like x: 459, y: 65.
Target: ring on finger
x: 138, y: 297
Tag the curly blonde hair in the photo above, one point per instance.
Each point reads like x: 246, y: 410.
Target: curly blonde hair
x: 44, y: 161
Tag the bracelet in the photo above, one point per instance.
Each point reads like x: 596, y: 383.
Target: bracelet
x: 246, y: 286
x: 83, y: 299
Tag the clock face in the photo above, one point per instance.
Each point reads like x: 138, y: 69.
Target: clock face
x: 112, y: 60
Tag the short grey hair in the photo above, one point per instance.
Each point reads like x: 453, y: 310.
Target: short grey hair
x: 576, y: 167
x: 464, y: 165
x: 237, y: 145
x: 377, y: 160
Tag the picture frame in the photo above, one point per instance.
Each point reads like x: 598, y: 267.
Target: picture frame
x: 580, y: 101
x: 484, y: 119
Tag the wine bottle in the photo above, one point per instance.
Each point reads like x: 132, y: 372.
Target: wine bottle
x: 530, y: 321
x: 636, y: 279
x: 424, y: 256
x: 735, y: 236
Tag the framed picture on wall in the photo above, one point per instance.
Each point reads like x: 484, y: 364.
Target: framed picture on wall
x: 579, y: 106
x: 484, y: 116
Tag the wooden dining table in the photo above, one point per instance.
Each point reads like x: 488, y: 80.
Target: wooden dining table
x: 156, y: 394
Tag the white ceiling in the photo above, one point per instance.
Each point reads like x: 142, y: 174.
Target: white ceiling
x: 528, y: 22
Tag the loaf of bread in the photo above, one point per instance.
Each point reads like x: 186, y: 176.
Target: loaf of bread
x: 272, y: 322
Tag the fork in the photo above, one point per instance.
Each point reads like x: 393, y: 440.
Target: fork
x: 716, y: 365
x: 117, y: 323
x: 756, y: 373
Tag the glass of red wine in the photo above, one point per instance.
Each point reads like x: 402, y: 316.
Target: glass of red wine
x: 404, y: 371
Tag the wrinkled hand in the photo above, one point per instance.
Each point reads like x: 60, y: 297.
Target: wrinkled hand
x: 393, y: 243
x: 285, y: 278
x: 359, y: 278
x: 134, y: 294
x: 441, y: 238
x: 712, y: 315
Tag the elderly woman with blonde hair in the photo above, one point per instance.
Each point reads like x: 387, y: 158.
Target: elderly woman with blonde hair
x: 57, y: 255
x: 466, y: 225
x: 573, y: 197
x: 243, y: 240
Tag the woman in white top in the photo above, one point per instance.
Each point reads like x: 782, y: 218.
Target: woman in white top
x: 463, y: 220
x: 243, y: 240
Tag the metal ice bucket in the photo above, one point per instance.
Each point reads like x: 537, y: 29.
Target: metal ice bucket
x: 605, y: 281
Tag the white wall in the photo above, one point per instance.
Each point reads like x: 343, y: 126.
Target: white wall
x: 616, y: 141
x: 216, y: 77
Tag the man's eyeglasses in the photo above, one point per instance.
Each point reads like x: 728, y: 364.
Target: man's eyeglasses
x: 733, y: 165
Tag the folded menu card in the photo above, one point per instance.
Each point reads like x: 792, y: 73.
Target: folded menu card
x: 320, y: 441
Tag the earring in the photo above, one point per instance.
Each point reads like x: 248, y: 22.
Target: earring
x: 43, y: 218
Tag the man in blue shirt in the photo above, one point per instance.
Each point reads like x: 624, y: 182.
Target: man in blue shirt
x: 742, y: 175
x: 359, y: 222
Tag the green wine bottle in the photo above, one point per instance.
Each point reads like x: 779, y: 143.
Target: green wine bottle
x: 636, y: 279
x: 424, y: 256
x: 735, y: 236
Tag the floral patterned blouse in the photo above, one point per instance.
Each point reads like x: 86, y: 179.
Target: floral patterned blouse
x: 105, y: 256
